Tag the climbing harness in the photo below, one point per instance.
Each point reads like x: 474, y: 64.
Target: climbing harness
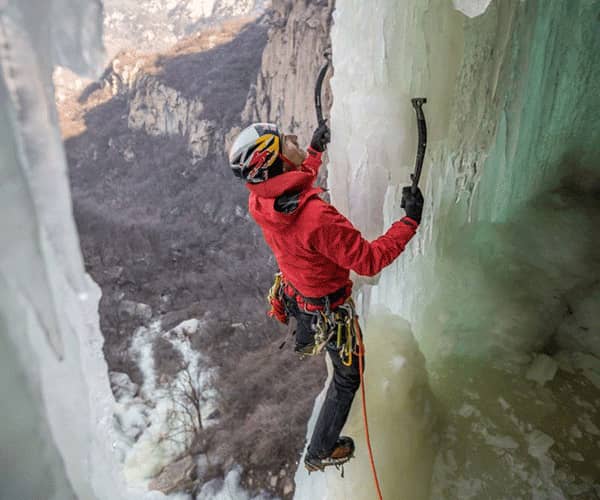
x: 335, y: 317
x: 312, y: 305
x: 333, y: 323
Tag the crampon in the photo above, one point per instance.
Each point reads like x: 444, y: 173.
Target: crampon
x: 342, y: 453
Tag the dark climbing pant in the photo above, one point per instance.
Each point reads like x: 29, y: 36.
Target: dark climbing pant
x: 340, y: 394
x: 335, y: 409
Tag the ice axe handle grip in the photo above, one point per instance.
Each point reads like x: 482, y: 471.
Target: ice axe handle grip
x: 318, y: 86
x: 417, y: 103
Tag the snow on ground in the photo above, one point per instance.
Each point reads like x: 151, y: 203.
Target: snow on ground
x: 228, y: 489
x: 154, y: 427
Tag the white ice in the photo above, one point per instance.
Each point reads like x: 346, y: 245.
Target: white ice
x: 48, y: 307
x: 500, y: 285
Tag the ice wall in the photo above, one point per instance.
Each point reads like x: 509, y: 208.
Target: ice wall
x: 498, y: 287
x: 56, y: 436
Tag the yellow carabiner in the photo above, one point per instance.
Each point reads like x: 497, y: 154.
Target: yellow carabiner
x: 348, y: 347
x: 348, y: 360
x: 274, y: 290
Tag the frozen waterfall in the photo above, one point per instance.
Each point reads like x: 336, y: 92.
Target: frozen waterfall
x: 483, y: 341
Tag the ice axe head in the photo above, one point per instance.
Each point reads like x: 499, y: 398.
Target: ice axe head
x: 417, y: 102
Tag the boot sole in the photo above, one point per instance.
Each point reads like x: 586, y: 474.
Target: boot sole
x: 336, y: 462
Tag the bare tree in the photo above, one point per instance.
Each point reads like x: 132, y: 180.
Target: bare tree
x: 184, y: 419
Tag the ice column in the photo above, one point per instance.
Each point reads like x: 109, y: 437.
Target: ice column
x: 59, y: 401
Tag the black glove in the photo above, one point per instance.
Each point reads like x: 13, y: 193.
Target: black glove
x: 320, y: 138
x: 412, y: 203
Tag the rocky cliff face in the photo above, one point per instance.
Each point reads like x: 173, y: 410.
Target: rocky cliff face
x: 164, y: 226
x: 284, y: 90
x: 196, y: 90
x: 156, y: 25
x: 157, y: 208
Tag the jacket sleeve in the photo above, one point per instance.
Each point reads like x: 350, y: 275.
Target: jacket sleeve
x: 312, y: 162
x: 338, y: 240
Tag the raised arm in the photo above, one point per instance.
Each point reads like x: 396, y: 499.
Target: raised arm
x: 318, y: 143
x: 338, y: 240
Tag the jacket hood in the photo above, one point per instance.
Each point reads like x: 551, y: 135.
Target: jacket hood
x: 263, y: 197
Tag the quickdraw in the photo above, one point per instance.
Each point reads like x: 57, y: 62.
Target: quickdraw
x: 343, y: 323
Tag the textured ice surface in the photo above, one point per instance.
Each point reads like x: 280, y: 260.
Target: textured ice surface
x: 542, y: 369
x: 502, y: 279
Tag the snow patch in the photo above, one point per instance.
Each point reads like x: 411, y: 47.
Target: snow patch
x: 228, y: 489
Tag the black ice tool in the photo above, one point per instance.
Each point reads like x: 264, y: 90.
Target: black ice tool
x: 417, y: 103
x: 318, y: 86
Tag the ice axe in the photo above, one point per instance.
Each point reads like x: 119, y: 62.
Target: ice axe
x: 417, y: 103
x: 318, y: 87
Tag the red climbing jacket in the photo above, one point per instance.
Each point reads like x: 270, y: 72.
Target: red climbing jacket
x: 314, y: 245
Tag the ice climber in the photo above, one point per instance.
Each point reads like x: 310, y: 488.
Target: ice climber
x: 315, y: 247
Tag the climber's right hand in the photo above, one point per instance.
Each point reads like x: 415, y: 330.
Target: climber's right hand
x: 320, y: 138
x: 412, y: 203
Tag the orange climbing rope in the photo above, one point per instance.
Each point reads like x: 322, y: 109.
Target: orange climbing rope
x: 361, y: 353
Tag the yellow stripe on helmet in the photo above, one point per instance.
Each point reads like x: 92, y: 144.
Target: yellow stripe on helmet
x: 269, y: 142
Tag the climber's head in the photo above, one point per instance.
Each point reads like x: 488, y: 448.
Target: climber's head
x: 260, y: 152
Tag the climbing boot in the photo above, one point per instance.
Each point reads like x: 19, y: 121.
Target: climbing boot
x: 343, y: 451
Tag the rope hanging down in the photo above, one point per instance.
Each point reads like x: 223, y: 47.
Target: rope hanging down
x: 361, y: 353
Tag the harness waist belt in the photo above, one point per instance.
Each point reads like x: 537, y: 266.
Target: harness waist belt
x: 321, y: 301
x: 331, y: 300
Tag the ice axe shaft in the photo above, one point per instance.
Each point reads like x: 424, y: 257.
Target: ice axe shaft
x: 318, y: 87
x: 417, y: 103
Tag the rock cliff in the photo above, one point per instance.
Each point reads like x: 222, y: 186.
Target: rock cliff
x: 284, y: 90
x: 156, y: 25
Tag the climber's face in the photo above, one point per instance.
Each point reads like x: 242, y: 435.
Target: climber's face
x: 292, y: 152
